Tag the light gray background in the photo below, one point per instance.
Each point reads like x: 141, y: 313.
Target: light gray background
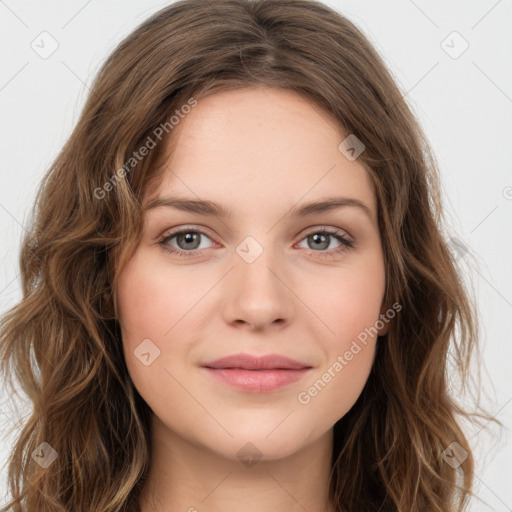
x: 463, y: 103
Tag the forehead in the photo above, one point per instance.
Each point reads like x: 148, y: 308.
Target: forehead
x: 259, y: 148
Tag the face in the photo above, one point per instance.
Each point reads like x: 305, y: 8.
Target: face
x: 256, y: 276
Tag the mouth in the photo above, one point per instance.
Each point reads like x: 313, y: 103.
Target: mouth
x: 253, y: 374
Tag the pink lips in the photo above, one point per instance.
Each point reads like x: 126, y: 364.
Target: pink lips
x: 256, y: 374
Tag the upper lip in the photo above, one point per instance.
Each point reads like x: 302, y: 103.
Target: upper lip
x: 248, y: 362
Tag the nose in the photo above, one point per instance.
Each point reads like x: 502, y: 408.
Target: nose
x: 258, y: 293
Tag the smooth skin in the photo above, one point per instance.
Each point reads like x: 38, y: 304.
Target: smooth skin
x: 259, y: 152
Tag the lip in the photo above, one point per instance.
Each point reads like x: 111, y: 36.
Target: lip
x: 254, y: 374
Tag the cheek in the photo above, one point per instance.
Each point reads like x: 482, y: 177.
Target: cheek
x: 348, y: 354
x: 158, y: 305
x: 348, y: 301
x: 333, y: 391
x: 150, y: 301
x: 145, y: 313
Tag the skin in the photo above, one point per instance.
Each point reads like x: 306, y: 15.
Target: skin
x: 259, y: 152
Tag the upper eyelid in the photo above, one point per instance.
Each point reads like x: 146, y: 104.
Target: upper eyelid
x: 172, y: 232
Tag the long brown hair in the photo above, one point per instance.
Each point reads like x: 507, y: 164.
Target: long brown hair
x: 62, y: 341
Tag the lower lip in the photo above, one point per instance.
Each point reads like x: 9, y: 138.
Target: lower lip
x: 256, y: 381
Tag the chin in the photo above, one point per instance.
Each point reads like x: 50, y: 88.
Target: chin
x: 256, y: 444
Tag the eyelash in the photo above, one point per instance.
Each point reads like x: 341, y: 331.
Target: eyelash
x: 346, y: 243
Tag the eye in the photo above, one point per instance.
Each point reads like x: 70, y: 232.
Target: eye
x: 189, y: 241
x: 320, y: 239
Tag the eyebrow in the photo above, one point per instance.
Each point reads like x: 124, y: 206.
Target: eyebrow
x: 210, y: 208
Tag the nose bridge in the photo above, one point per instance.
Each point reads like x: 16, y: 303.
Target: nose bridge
x: 261, y: 259
x: 257, y: 291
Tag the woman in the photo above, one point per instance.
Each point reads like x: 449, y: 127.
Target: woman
x: 295, y: 357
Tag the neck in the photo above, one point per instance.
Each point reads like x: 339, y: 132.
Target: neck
x: 194, y: 478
